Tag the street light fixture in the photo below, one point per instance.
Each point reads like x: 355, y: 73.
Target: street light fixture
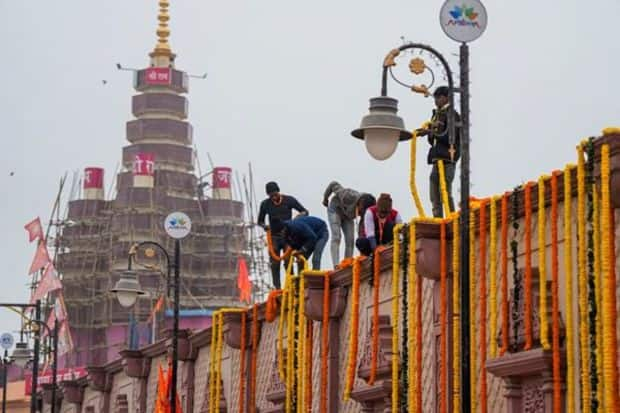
x: 128, y: 288
x: 22, y: 355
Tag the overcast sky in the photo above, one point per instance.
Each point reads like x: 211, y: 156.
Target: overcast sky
x: 287, y: 82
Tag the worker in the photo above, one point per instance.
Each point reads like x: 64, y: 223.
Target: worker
x: 307, y: 235
x: 341, y: 214
x: 379, y: 222
x: 280, y: 206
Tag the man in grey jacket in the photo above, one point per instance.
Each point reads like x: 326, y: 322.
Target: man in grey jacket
x: 341, y: 213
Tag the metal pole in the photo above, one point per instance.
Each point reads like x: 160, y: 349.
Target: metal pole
x: 175, y: 327
x: 464, y: 230
x: 35, y: 362
x: 5, y: 367
x: 54, y: 364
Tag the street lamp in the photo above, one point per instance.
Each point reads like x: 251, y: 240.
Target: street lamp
x: 127, y: 288
x: 21, y: 355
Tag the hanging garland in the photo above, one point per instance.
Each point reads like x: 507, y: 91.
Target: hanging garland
x: 482, y: 237
x: 272, y: 252
x: 568, y: 271
x: 300, y: 356
x: 242, y: 372
x: 443, y: 345
x: 290, y: 346
x: 395, y: 284
x: 542, y: 266
x: 212, y: 367
x: 583, y: 281
x: 419, y: 330
x: 528, y: 266
x: 555, y: 299
x: 375, y: 312
x: 598, y: 295
x: 456, y: 331
x: 593, y: 309
x: 412, y: 305
x: 404, y: 361
x: 412, y: 165
x: 443, y: 188
x: 516, y: 277
x: 253, y: 359
x: 472, y: 310
x: 325, y: 343
x: 493, y: 277
x: 271, y: 308
x: 504, y: 275
x: 308, y: 363
x: 354, y: 329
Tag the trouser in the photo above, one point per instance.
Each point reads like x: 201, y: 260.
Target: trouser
x: 435, y: 187
x: 337, y: 226
x: 317, y: 252
x: 279, y: 246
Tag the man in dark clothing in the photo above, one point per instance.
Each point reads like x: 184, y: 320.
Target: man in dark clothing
x: 281, y: 207
x: 438, y: 138
x: 307, y: 235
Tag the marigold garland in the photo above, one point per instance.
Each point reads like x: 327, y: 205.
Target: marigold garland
x: 493, y: 277
x: 472, y: 310
x: 412, y: 166
x: 212, y: 357
x: 568, y: 273
x: 354, y: 330
x: 271, y: 308
x: 253, y: 360
x: 375, y: 313
x: 404, y: 311
x: 542, y: 266
x: 325, y: 343
x: 555, y: 302
x: 612, y: 309
x: 444, y: 190
x: 301, y: 346
x: 583, y: 281
x: 272, y: 252
x: 456, y: 330
x: 308, y: 363
x: 419, y: 330
x: 395, y: 284
x: 528, y: 266
x: 504, y: 273
x: 516, y: 276
x: 411, y: 342
x: 482, y: 239
x: 242, y: 372
x: 598, y: 294
x: 443, y: 345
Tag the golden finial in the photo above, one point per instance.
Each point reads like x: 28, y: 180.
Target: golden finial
x: 162, y: 48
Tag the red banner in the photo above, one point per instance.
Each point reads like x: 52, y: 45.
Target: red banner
x: 158, y: 76
x: 35, y: 230
x: 93, y: 178
x: 222, y: 176
x: 144, y: 164
x: 71, y: 373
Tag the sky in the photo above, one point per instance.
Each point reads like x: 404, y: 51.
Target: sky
x: 287, y: 82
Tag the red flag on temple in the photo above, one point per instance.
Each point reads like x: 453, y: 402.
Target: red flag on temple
x: 41, y: 258
x: 49, y: 282
x: 243, y: 281
x: 35, y: 230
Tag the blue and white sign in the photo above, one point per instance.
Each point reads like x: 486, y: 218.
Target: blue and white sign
x: 178, y: 225
x: 6, y: 341
x: 463, y: 20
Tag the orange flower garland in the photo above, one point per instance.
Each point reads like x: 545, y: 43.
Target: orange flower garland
x: 272, y: 252
x: 456, y: 328
x: 504, y: 276
x: 568, y: 275
x: 528, y: 266
x: 325, y: 344
x: 482, y: 236
x: 242, y: 373
x: 271, y: 309
x: 443, y: 380
x: 309, y: 339
x: 555, y: 304
x: 354, y: 331
x: 419, y: 331
x: 252, y: 400
x: 375, y: 313
x: 612, y: 309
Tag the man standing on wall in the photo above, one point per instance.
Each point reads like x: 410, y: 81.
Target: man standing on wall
x: 278, y: 206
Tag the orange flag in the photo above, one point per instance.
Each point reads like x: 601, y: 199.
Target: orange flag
x: 243, y: 281
x: 41, y: 258
x: 161, y: 403
x: 35, y: 230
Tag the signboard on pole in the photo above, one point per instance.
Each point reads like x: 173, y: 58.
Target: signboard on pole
x: 178, y: 225
x: 463, y: 20
x: 6, y: 341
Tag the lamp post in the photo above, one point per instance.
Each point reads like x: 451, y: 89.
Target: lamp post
x: 127, y: 289
x: 22, y: 354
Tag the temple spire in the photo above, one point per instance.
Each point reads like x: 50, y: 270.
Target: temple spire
x: 162, y: 48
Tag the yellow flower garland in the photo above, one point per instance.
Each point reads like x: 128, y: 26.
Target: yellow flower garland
x: 493, y: 277
x: 542, y: 265
x: 353, y: 330
x: 444, y: 190
x: 212, y: 356
x: 395, y: 284
x: 456, y: 328
x: 218, y: 361
x: 582, y: 290
x: 412, y: 166
x: 598, y: 295
x: 412, y: 325
x: 472, y: 310
x: 568, y: 274
x: 301, y: 347
x: 611, y: 130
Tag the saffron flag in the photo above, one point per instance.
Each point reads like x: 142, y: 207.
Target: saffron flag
x: 243, y: 281
x: 158, y: 306
x: 49, y: 282
x: 65, y: 342
x: 161, y: 404
x: 41, y: 258
x: 35, y: 230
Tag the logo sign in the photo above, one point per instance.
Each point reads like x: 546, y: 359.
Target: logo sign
x: 93, y: 178
x: 221, y: 177
x: 6, y: 341
x: 178, y: 225
x: 463, y: 20
x: 158, y: 76
x: 144, y: 164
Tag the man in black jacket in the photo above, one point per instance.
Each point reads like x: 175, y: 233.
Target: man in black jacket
x: 438, y: 138
x: 278, y: 206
